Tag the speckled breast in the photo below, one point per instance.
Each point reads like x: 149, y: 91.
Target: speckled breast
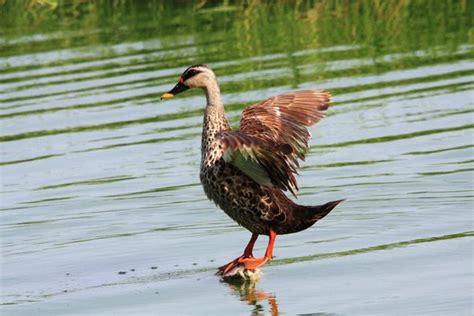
x: 239, y: 196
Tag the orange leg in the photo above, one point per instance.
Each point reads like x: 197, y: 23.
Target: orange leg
x: 249, y: 249
x: 247, y: 254
x: 254, y: 263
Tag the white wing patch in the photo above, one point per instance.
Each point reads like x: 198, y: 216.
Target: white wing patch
x: 277, y: 111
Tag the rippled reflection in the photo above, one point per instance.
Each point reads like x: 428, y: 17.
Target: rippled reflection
x: 263, y: 303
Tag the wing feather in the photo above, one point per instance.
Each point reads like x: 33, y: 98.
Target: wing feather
x: 273, y: 135
x: 266, y: 164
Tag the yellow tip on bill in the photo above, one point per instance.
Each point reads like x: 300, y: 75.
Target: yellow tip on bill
x: 167, y: 96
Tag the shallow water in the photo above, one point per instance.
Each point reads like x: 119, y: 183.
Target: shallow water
x: 101, y: 207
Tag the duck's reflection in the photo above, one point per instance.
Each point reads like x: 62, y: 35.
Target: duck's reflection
x: 246, y: 290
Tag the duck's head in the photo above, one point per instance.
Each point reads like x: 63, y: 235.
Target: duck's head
x: 197, y: 76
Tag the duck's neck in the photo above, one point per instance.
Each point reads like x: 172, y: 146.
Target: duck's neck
x: 213, y: 95
x: 214, y: 120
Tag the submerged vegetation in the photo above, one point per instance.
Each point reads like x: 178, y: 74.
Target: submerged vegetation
x: 256, y: 27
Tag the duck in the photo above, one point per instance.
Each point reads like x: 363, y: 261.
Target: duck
x: 249, y: 172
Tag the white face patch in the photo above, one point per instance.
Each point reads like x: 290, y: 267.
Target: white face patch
x: 201, y: 79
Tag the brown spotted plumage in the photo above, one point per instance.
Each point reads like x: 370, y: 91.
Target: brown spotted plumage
x: 245, y: 171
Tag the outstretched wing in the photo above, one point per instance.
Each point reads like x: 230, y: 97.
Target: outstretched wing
x: 266, y: 163
x: 273, y: 135
x: 283, y: 119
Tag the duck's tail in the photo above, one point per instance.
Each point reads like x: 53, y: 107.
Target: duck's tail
x: 315, y: 213
x: 308, y: 215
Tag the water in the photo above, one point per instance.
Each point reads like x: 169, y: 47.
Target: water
x: 100, y: 177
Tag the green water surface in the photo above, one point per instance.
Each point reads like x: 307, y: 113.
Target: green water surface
x: 101, y: 208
